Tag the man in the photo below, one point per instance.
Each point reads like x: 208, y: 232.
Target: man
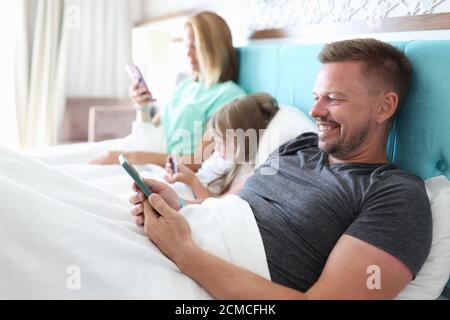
x: 336, y: 208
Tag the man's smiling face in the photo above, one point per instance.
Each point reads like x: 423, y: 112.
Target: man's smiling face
x: 344, y: 108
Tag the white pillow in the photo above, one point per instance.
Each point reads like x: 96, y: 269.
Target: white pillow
x: 434, y: 274
x: 288, y: 123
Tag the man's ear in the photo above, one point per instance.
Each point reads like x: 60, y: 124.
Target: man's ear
x: 387, y: 107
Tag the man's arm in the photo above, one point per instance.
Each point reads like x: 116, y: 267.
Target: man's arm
x: 353, y: 269
x: 345, y: 275
x: 224, y: 280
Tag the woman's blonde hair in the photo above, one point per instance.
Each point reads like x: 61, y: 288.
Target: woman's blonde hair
x: 253, y: 112
x: 216, y: 55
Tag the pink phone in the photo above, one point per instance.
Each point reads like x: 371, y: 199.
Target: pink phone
x: 135, y: 74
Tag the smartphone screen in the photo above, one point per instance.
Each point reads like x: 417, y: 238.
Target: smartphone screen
x: 173, y: 163
x: 134, y: 175
x: 135, y: 74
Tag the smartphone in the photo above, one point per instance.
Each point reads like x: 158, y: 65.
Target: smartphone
x: 173, y: 163
x: 135, y: 74
x: 135, y: 175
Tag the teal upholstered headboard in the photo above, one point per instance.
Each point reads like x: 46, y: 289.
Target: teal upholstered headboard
x: 420, y: 139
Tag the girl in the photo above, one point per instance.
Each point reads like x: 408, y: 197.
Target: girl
x: 236, y: 133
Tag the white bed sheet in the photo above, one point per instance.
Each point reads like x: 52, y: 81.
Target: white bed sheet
x: 72, y: 159
x: 50, y: 221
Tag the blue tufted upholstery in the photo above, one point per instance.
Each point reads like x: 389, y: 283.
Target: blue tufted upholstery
x: 420, y: 139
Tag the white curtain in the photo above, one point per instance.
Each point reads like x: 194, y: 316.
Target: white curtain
x: 8, y: 118
x: 100, y: 48
x: 41, y: 70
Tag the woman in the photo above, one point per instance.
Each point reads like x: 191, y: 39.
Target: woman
x: 214, y: 67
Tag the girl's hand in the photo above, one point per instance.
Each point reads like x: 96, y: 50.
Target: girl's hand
x: 184, y: 174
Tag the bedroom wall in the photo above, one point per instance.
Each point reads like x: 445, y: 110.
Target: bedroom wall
x: 312, y: 11
x: 246, y: 16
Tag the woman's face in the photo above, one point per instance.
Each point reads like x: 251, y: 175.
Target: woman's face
x: 189, y: 41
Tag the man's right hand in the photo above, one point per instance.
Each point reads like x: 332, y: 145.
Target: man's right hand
x: 138, y: 197
x: 140, y: 96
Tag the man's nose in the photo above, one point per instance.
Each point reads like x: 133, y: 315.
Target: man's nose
x: 319, y: 109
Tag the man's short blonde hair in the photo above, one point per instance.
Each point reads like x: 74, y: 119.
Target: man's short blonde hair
x: 384, y: 66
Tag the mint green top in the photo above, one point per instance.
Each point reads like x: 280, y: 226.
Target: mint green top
x: 184, y: 118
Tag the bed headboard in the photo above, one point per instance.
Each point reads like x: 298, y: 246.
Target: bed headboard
x: 420, y: 139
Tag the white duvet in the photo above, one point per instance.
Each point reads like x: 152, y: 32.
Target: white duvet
x: 55, y: 228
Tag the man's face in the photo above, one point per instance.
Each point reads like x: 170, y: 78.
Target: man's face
x: 344, y: 110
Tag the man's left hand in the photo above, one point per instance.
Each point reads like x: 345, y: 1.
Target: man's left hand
x: 167, y: 228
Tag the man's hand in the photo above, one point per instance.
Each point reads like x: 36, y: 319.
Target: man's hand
x: 168, y: 229
x: 111, y: 157
x: 138, y: 198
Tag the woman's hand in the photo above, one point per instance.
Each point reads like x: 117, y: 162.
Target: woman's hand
x: 111, y: 157
x: 137, y: 199
x: 140, y: 96
x: 184, y: 174
x: 167, y: 228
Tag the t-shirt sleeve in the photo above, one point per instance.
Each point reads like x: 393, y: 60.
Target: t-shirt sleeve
x: 395, y: 217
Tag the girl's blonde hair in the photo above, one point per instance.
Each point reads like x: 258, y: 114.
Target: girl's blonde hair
x: 214, y: 48
x: 253, y: 112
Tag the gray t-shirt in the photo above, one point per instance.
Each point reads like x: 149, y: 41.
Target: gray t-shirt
x: 305, y: 208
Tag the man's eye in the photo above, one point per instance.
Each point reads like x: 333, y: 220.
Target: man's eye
x: 333, y: 100
x: 316, y: 99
